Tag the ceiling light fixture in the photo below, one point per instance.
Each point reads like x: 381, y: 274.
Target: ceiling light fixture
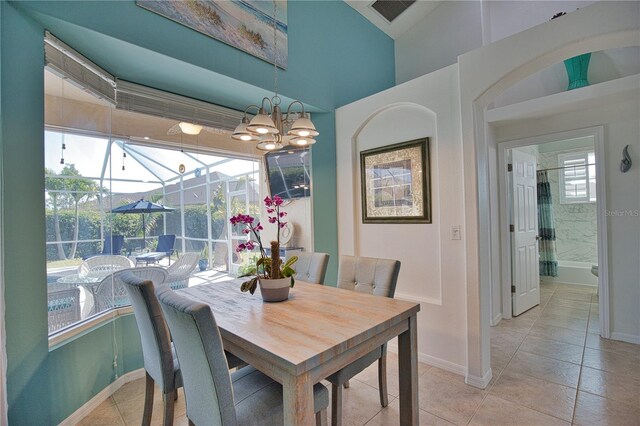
x: 190, y: 128
x: 270, y: 128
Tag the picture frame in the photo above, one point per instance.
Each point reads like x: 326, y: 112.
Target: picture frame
x: 246, y: 25
x: 396, y: 183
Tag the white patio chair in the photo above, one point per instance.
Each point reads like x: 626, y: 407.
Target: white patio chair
x: 180, y: 271
x: 111, y: 292
x: 104, y: 265
x: 63, y: 307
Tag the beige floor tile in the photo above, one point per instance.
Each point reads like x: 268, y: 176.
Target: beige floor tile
x: 573, y: 295
x: 540, y: 395
x: 568, y: 304
x: 521, y: 325
x: 131, y: 390
x: 370, y: 374
x: 579, y: 324
x: 105, y: 414
x: 565, y: 311
x: 360, y: 403
x: 594, y: 325
x: 500, y: 358
x: 553, y: 370
x: 577, y: 288
x: 560, y: 334
x: 448, y: 399
x: 496, y: 411
x: 553, y: 349
x: 390, y: 416
x: 596, y: 342
x: 613, y: 362
x: 619, y: 387
x: 596, y: 410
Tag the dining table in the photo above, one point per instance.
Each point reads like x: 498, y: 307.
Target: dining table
x: 90, y: 284
x: 317, y: 331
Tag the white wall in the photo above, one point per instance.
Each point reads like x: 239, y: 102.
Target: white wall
x: 432, y: 271
x: 452, y: 28
x: 621, y: 127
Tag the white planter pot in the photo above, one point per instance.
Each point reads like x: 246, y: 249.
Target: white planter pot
x: 274, y: 290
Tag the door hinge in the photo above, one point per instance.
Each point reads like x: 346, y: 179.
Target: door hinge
x: 512, y: 228
x: 509, y: 167
x: 513, y: 289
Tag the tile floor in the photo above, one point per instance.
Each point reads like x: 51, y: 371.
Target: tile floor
x: 550, y: 367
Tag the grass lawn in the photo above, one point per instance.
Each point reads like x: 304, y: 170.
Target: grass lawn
x: 63, y: 263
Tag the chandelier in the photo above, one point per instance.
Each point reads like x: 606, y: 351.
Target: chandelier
x: 269, y: 127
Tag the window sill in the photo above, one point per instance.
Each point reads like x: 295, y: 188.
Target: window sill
x: 71, y: 333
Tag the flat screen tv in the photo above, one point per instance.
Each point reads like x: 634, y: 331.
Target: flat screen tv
x: 288, y: 173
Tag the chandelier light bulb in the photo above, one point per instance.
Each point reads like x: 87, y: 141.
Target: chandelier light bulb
x: 303, y: 133
x: 245, y: 138
x: 270, y: 146
x: 262, y: 130
x: 302, y: 142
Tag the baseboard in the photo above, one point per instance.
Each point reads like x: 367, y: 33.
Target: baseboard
x: 102, y: 396
x: 392, y: 346
x: 496, y: 320
x: 479, y: 382
x: 629, y: 338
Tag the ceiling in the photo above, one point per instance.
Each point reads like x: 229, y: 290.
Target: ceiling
x: 403, y: 23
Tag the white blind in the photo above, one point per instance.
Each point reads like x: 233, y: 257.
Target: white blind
x: 145, y: 100
x: 71, y: 65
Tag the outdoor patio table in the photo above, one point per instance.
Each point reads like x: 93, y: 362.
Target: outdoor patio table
x: 313, y: 334
x: 89, y: 282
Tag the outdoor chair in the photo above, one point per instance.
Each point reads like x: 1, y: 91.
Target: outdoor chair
x: 63, y: 307
x: 372, y: 276
x: 111, y: 292
x: 213, y: 396
x: 163, y: 249
x: 103, y: 265
x: 311, y: 267
x: 180, y: 271
x: 113, y: 244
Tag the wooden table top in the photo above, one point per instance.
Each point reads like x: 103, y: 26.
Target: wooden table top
x: 315, y: 324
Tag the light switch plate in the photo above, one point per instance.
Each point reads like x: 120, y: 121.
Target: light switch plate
x: 456, y: 233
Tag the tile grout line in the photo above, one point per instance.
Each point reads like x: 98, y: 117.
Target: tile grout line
x: 575, y: 404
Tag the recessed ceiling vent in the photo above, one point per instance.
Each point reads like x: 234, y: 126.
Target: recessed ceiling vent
x: 391, y: 9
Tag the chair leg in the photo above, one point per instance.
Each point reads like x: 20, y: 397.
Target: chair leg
x: 321, y: 417
x: 169, y: 403
x: 382, y: 380
x: 148, y: 400
x: 346, y: 384
x: 336, y: 405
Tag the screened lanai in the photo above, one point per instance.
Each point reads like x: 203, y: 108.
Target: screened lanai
x: 89, y: 175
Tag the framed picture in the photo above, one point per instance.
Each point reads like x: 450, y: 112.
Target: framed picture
x: 246, y: 25
x: 396, y: 184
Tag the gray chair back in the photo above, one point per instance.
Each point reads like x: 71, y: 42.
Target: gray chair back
x: 154, y: 333
x: 311, y: 267
x: 368, y: 275
x: 110, y: 292
x: 205, y: 374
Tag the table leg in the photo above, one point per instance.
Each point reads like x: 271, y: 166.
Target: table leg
x: 297, y: 395
x: 408, y: 368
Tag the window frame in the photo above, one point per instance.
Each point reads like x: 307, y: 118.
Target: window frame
x: 563, y: 158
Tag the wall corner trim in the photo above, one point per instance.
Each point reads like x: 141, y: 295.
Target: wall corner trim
x: 102, y: 396
x: 479, y: 382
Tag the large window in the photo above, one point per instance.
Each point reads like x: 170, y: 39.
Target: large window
x: 577, y: 177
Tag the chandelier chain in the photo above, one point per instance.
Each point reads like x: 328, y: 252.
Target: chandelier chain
x: 275, y: 50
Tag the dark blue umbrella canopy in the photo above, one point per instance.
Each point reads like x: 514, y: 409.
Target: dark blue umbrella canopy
x: 142, y: 206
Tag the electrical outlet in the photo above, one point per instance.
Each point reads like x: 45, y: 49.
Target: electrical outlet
x: 456, y: 234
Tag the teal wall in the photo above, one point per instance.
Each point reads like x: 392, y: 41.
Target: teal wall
x: 335, y: 57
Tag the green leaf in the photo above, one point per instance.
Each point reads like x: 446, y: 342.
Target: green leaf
x: 287, y: 271
x: 249, y: 285
x: 291, y: 261
x: 292, y: 281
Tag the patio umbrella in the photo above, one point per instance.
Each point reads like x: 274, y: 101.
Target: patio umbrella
x: 142, y: 206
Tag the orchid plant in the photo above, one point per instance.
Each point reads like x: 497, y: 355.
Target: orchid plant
x: 267, y: 267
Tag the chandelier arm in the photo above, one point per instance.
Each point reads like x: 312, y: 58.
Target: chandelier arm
x: 246, y: 110
x: 289, y: 109
x: 270, y: 103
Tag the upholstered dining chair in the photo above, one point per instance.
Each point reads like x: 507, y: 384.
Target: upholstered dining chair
x: 160, y: 361
x: 372, y: 276
x: 213, y: 396
x: 311, y: 267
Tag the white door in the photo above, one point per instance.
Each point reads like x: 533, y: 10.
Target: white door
x: 525, y: 285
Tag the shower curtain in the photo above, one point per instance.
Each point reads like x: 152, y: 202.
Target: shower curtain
x: 546, y: 228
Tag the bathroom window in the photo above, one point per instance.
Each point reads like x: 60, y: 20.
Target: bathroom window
x: 577, y: 177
